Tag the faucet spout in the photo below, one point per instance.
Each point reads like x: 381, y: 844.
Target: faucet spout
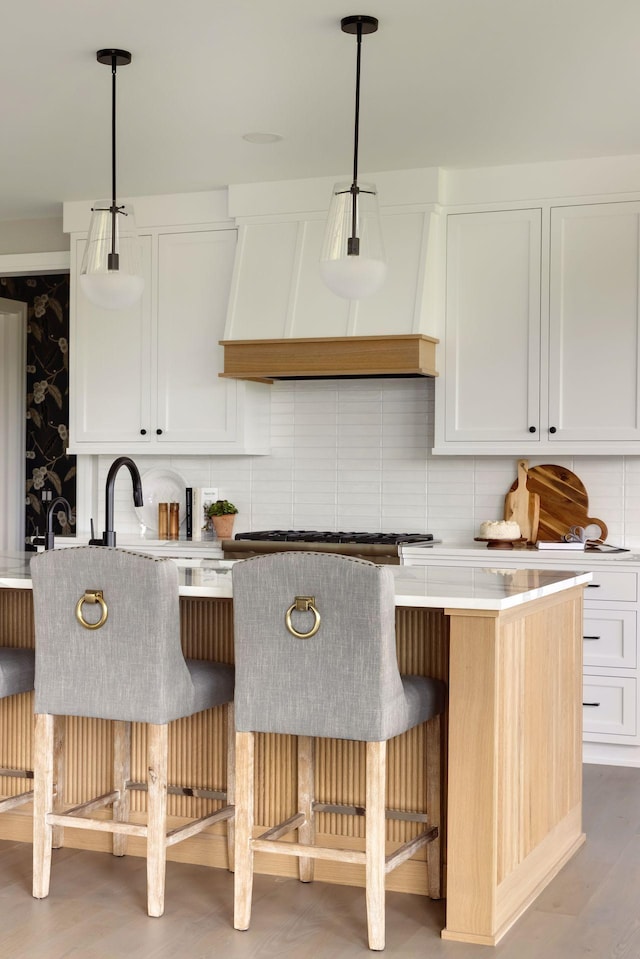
x: 109, y: 536
x: 49, y: 536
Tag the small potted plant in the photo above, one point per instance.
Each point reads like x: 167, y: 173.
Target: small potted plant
x: 223, y: 514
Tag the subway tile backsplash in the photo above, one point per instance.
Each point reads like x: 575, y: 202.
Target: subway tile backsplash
x: 350, y: 453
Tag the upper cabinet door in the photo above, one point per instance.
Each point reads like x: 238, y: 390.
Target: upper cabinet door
x: 492, y: 339
x: 145, y: 379
x: 109, y: 377
x: 594, y: 362
x: 194, y: 275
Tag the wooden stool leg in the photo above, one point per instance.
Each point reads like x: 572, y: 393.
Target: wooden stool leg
x: 434, y: 786
x: 243, y: 878
x: 57, y: 835
x: 375, y: 842
x: 306, y: 795
x: 121, y: 775
x: 43, y: 764
x: 231, y: 784
x: 157, y: 756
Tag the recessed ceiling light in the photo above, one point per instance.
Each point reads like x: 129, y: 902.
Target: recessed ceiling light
x: 261, y: 137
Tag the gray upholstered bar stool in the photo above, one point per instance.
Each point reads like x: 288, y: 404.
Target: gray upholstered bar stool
x: 316, y: 657
x: 16, y: 678
x: 108, y: 646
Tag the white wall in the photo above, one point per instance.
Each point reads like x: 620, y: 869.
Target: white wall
x: 355, y: 454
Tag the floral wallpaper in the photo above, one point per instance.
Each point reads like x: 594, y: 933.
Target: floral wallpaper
x: 50, y: 472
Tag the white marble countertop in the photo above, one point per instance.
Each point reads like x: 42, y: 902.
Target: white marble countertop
x: 427, y: 586
x: 474, y: 553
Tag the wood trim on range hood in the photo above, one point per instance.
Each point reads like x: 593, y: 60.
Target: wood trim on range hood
x: 411, y: 354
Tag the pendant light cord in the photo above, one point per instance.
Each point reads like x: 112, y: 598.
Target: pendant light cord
x: 353, y: 243
x: 113, y: 256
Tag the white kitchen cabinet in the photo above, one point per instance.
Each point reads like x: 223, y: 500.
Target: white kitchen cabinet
x: 594, y: 308
x: 542, y: 345
x: 491, y: 376
x: 110, y: 364
x: 145, y: 379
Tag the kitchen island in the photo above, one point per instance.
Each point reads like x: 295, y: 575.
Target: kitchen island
x: 510, y: 649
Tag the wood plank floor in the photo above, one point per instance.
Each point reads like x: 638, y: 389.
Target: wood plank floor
x: 96, y: 909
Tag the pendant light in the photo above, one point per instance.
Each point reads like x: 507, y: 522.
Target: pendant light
x: 111, y: 274
x: 352, y: 262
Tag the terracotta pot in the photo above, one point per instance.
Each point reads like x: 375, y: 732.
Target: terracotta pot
x: 223, y: 525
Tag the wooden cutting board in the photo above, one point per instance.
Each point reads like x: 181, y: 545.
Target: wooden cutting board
x: 563, y: 502
x: 522, y: 506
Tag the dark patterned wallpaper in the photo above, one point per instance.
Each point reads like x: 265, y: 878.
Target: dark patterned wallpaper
x: 49, y: 469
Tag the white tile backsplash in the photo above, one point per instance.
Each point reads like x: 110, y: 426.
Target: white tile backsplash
x: 353, y: 453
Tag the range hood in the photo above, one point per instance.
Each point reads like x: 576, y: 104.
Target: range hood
x: 411, y: 354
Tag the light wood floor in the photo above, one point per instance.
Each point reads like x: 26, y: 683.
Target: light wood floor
x: 96, y: 909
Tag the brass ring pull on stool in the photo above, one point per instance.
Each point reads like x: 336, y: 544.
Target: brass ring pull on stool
x: 303, y: 604
x: 92, y: 596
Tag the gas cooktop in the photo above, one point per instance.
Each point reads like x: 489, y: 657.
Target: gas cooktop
x: 326, y: 536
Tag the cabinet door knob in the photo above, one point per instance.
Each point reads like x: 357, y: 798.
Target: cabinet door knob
x: 532, y: 429
x: 158, y: 432
x: 143, y: 432
x: 552, y: 429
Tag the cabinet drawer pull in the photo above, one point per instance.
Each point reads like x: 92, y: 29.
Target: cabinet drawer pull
x: 143, y: 432
x: 591, y: 704
x: 593, y: 585
x: 552, y: 429
x: 591, y: 637
x: 159, y: 432
x: 532, y: 429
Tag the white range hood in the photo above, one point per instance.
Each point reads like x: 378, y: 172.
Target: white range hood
x: 282, y: 320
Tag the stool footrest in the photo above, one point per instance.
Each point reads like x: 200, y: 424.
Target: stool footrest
x: 11, y: 801
x: 282, y: 828
x: 406, y: 851
x: 346, y: 810
x: 308, y: 852
x: 97, y: 803
x: 16, y: 773
x: 99, y: 825
x: 194, y: 791
x: 192, y: 828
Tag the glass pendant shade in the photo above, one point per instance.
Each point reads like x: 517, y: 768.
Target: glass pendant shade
x: 103, y: 285
x: 349, y: 274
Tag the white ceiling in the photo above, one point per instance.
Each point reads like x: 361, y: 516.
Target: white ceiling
x: 444, y: 83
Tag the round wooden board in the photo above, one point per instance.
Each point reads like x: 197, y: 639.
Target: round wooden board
x: 563, y: 502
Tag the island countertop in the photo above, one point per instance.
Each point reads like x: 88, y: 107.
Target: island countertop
x: 433, y: 587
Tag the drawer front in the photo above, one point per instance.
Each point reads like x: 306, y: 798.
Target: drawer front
x: 610, y: 638
x: 613, y: 587
x: 609, y: 708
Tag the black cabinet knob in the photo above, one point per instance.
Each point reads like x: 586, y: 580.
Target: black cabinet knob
x: 532, y: 429
x: 552, y: 429
x: 143, y: 432
x: 158, y: 432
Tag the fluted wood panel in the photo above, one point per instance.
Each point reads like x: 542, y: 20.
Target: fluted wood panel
x: 537, y: 702
x: 197, y: 744
x: 16, y: 618
x: 16, y: 712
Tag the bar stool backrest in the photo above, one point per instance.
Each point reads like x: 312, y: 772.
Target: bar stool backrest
x: 16, y: 671
x: 343, y: 682
x: 131, y: 668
